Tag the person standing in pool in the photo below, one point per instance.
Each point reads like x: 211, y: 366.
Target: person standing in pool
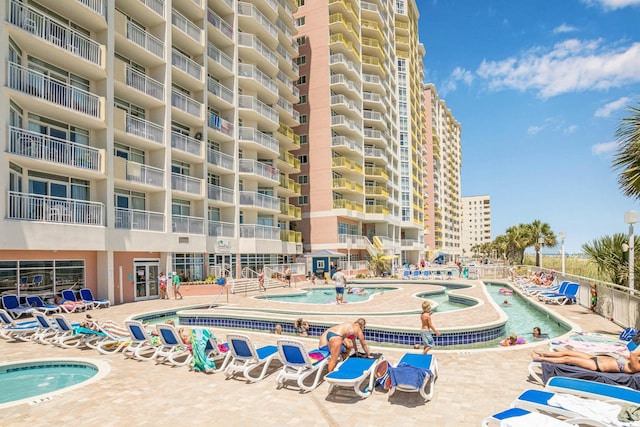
x: 427, y: 328
x: 340, y: 281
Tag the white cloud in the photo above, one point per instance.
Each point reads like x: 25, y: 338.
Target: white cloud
x: 604, y: 148
x: 570, y: 66
x: 612, y: 4
x: 534, y: 130
x: 570, y: 129
x: 457, y: 75
x: 612, y: 106
x: 564, y: 28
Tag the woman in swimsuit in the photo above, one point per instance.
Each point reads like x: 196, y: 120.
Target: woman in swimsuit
x: 618, y: 364
x: 339, y: 340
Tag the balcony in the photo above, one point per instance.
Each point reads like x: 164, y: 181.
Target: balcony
x: 221, y: 229
x: 375, y: 153
x: 377, y: 209
x: 261, y: 201
x: 137, y: 127
x: 344, y: 165
x: 220, y: 24
x: 187, y: 105
x: 288, y: 163
x: 261, y: 171
x: 376, y: 172
x: 220, y: 194
x: 253, y: 139
x: 255, y: 80
x: 348, y: 204
x: 344, y: 145
x: 221, y: 63
x: 223, y: 96
x: 345, y: 125
x: 40, y: 86
x: 342, y: 82
x: 220, y: 160
x: 288, y: 187
x: 74, y: 44
x: 137, y: 173
x: 133, y: 219
x: 221, y: 125
x: 186, y: 144
x: 291, y: 211
x: 141, y: 44
x: 376, y: 191
x: 252, y: 50
x: 343, y: 105
x: 151, y: 89
x: 186, y: 184
x: 343, y: 65
x: 250, y: 17
x: 189, y: 35
x: 291, y: 236
x: 264, y: 232
x: 35, y: 207
x: 254, y: 109
x: 347, y: 186
x: 287, y: 137
x: 186, y: 65
x: 55, y: 150
x: 187, y: 224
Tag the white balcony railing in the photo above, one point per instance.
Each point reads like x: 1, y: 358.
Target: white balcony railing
x: 257, y: 168
x: 221, y: 194
x: 251, y: 71
x: 186, y: 64
x: 144, y: 83
x: 51, y: 149
x: 144, y: 129
x: 218, y: 123
x: 219, y: 23
x: 252, y: 198
x: 254, y: 135
x: 186, y: 144
x: 219, y: 90
x: 220, y: 57
x: 60, y: 34
x: 221, y: 229
x: 253, y: 103
x: 249, y: 40
x: 156, y: 5
x: 186, y: 104
x: 343, y: 141
x: 36, y: 207
x: 187, y: 224
x: 220, y: 159
x: 186, y: 26
x: 253, y: 231
x: 98, y: 6
x: 144, y: 174
x: 144, y: 39
x: 133, y: 219
x: 247, y: 9
x: 44, y: 87
x: 187, y: 184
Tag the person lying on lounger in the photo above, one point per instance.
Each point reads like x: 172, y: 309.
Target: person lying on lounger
x: 339, y: 338
x: 618, y: 364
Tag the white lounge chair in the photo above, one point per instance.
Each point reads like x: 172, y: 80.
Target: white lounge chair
x: 299, y: 365
x: 522, y: 417
x: 172, y: 350
x: 9, y: 329
x: 355, y: 373
x: 245, y: 357
x: 47, y: 330
x: 12, y: 305
x: 87, y: 297
x: 70, y: 335
x: 141, y: 346
x: 421, y: 380
x: 69, y: 295
x: 36, y: 302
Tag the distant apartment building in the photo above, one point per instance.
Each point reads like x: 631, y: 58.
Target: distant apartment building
x: 476, y: 222
x: 361, y: 128
x: 157, y: 135
x: 443, y: 160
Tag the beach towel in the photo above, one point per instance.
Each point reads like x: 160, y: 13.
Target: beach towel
x: 562, y: 370
x: 199, y: 338
x: 533, y: 419
x: 606, y: 413
x: 408, y: 375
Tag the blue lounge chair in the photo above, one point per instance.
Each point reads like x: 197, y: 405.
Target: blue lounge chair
x: 406, y: 274
x: 172, y: 350
x: 356, y: 373
x: 245, y: 357
x: 416, y: 274
x: 9, y: 329
x: 141, y: 346
x: 12, y: 305
x: 47, y: 330
x: 87, y: 297
x: 71, y: 335
x: 568, y: 296
x: 533, y: 418
x: 300, y: 364
x: 553, y: 291
x: 69, y: 295
x: 593, y: 390
x: 425, y: 362
x: 36, y: 302
x: 426, y: 274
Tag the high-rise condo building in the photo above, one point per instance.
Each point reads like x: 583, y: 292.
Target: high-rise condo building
x: 361, y: 128
x: 476, y: 222
x: 442, y: 183
x: 156, y: 135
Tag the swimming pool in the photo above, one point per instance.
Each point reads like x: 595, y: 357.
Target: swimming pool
x: 327, y: 295
x: 38, y: 380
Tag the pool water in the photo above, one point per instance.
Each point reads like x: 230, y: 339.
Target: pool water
x: 443, y: 302
x: 327, y: 295
x: 21, y: 381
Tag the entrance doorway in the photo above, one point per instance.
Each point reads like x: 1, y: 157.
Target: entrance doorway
x: 223, y: 264
x: 146, y: 279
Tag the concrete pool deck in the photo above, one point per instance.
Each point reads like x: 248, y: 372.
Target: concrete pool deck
x: 472, y: 384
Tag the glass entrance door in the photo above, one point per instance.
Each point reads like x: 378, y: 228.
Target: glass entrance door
x: 223, y: 263
x: 146, y: 273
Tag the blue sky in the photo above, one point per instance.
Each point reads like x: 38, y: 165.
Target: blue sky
x: 539, y: 88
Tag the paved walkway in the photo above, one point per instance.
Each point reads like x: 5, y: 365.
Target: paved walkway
x: 472, y: 383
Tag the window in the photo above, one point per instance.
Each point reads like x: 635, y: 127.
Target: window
x: 301, y: 40
x: 303, y: 159
x: 303, y: 100
x: 303, y: 200
x: 301, y: 3
x: 302, y: 80
x: 303, y: 139
x: 301, y: 60
x: 303, y: 179
x: 303, y: 119
x: 301, y: 21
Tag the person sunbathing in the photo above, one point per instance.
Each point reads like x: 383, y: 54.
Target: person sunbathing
x: 338, y: 339
x: 617, y: 364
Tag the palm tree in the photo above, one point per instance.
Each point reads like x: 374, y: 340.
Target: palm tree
x: 610, y: 259
x: 627, y: 156
x: 540, y: 231
x: 378, y: 263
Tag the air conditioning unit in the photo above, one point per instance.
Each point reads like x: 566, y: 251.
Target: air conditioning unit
x: 199, y: 136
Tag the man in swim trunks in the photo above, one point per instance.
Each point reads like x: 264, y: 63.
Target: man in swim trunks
x: 339, y: 340
x: 618, y: 364
x: 340, y: 281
